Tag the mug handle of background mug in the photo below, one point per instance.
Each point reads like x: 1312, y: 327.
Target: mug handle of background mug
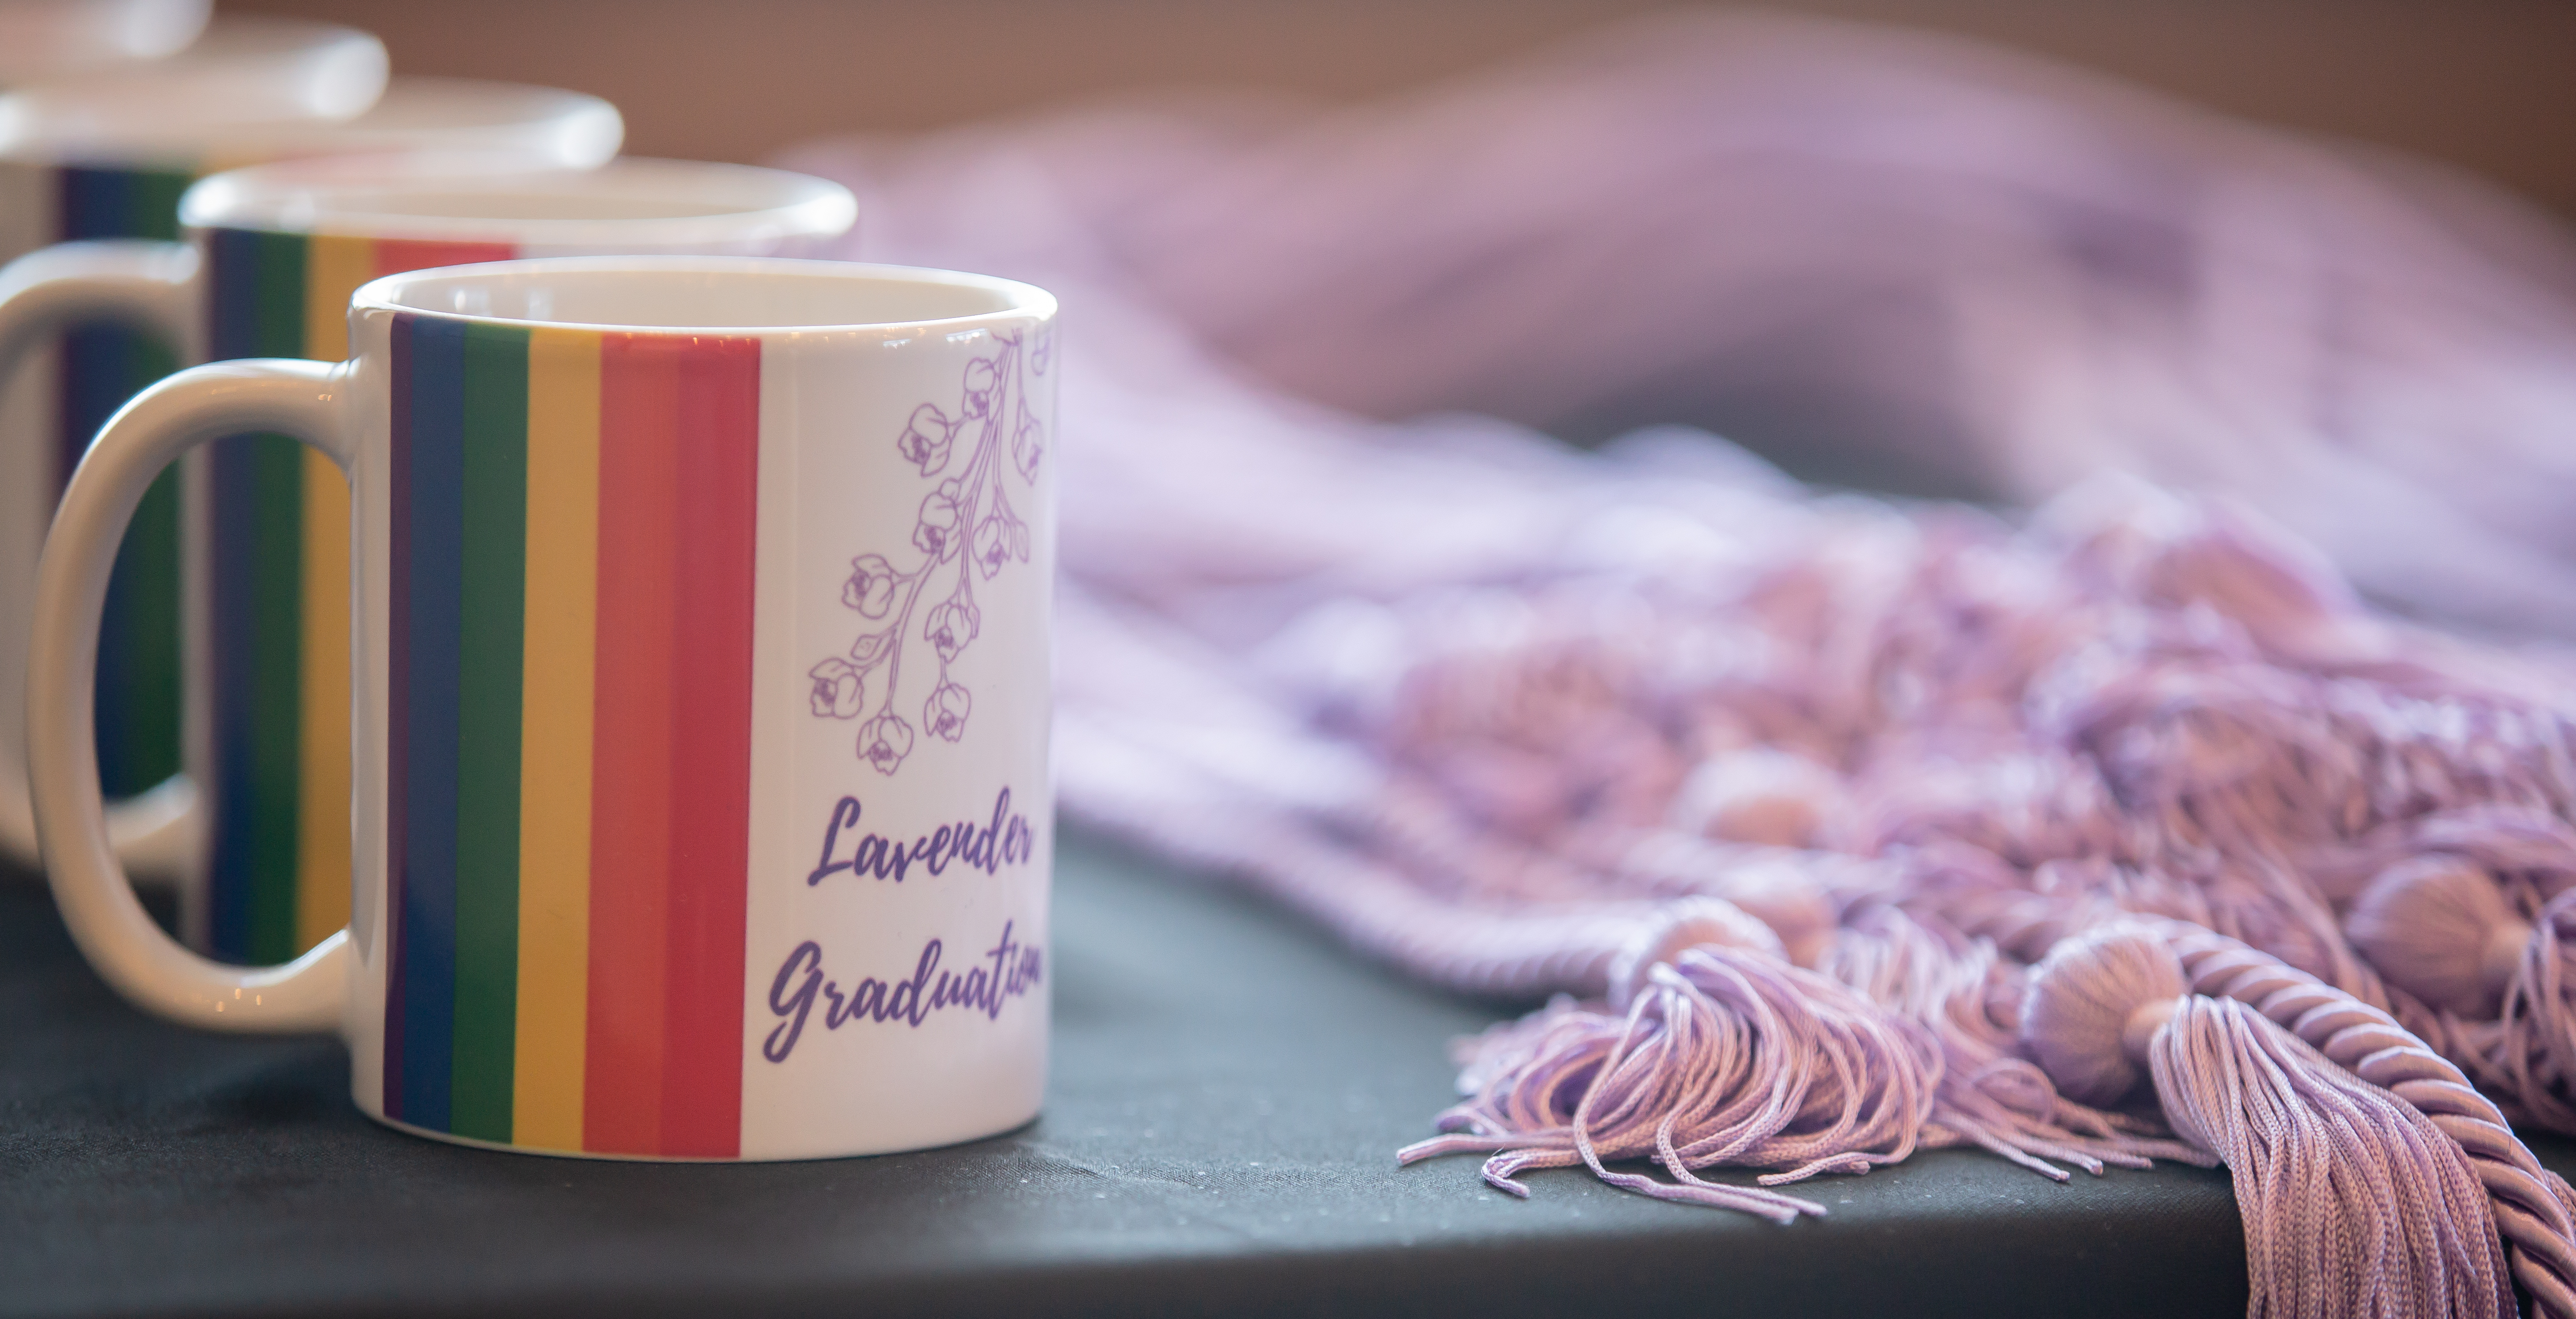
x: 307, y: 400
x: 151, y: 287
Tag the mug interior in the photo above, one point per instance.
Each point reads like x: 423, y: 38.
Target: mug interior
x: 626, y: 203
x: 714, y: 295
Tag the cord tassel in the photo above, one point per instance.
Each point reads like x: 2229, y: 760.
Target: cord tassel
x: 1989, y: 1095
x: 1724, y: 1055
x: 2534, y: 1208
x: 2355, y: 1202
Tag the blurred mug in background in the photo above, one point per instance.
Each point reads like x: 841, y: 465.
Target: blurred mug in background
x: 107, y: 158
x: 44, y: 39
x: 260, y: 844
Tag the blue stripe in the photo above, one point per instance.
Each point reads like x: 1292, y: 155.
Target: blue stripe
x: 432, y: 583
x: 232, y: 294
x: 233, y: 654
x: 92, y: 203
x: 137, y: 697
x: 397, y: 700
x: 96, y: 203
x: 233, y: 532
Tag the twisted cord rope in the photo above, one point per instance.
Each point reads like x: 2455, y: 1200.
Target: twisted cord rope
x: 2535, y: 1210
x: 2497, y: 1055
x: 2354, y: 1201
x: 1379, y: 909
x: 2524, y: 866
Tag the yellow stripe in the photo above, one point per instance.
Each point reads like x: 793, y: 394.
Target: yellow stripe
x: 333, y: 269
x: 322, y: 863
x: 555, y: 729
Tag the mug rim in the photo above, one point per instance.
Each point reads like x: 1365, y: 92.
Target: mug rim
x: 247, y: 76
x: 1026, y: 302
x: 549, y: 125
x: 327, y: 198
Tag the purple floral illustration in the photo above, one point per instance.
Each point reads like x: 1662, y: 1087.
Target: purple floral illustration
x: 999, y: 539
x: 884, y: 741
x: 935, y: 533
x: 925, y: 441
x: 981, y: 380
x: 965, y: 526
x: 951, y: 625
x: 1028, y: 442
x: 871, y: 585
x: 945, y: 714
x: 837, y: 688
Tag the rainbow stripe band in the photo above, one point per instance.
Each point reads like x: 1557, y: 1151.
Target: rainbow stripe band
x: 137, y: 701
x: 278, y: 871
x: 568, y: 740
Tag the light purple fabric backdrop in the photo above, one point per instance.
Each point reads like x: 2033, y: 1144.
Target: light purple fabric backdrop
x: 1821, y: 790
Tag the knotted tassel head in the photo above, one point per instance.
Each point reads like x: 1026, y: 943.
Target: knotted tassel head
x: 2440, y: 928
x: 2354, y: 1202
x: 2088, y: 1012
x: 1684, y: 924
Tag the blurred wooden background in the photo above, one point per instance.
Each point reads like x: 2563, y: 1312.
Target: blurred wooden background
x: 2485, y: 84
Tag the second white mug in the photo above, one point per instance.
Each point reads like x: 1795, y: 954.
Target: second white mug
x: 255, y: 833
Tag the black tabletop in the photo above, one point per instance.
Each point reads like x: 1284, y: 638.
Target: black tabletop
x: 1229, y: 1088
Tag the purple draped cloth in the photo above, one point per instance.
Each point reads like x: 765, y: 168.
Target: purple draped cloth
x: 1901, y: 261
x: 1340, y: 617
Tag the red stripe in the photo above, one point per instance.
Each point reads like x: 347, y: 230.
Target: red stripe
x: 714, y: 528
x: 631, y: 743
x: 395, y: 256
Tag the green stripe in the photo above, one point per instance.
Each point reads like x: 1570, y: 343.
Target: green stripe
x: 139, y: 674
x: 276, y: 716
x: 278, y: 297
x: 145, y: 587
x: 276, y: 682
x: 144, y: 594
x: 152, y: 203
x: 494, y: 572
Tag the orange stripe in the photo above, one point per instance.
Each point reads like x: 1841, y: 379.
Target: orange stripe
x: 334, y: 267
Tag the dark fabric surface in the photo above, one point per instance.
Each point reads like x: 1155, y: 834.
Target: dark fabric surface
x: 1228, y: 1091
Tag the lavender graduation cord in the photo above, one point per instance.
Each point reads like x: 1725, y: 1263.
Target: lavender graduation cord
x: 1843, y: 828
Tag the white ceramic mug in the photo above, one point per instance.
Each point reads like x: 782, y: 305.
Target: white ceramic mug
x: 258, y: 840
x: 701, y: 663
x: 81, y: 160
x: 51, y: 38
x: 88, y: 65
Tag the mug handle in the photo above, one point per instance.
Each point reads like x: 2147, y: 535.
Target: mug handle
x: 151, y: 287
x: 307, y: 400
